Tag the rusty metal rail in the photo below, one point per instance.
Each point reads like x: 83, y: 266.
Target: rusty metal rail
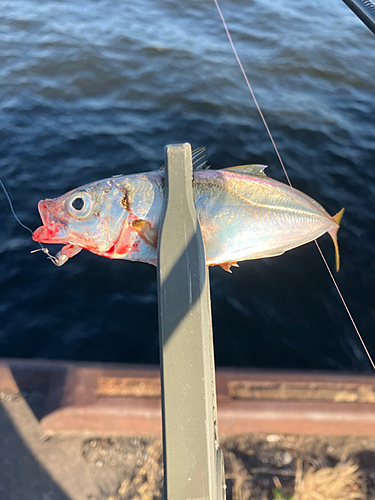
x: 113, y: 399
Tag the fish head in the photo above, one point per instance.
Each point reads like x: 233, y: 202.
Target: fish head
x: 90, y: 217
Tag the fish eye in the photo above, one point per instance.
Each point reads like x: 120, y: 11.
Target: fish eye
x: 80, y: 204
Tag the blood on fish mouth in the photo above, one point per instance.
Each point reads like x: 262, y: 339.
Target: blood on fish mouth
x: 52, y: 231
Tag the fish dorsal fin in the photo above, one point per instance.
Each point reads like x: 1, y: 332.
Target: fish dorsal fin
x: 197, y: 157
x: 255, y: 170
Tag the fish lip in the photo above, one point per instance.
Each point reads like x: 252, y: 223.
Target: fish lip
x: 53, y: 229
x: 45, y: 213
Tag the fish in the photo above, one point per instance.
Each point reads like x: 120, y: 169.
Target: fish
x: 243, y: 215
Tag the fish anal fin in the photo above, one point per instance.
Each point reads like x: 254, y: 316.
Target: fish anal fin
x: 227, y: 265
x: 254, y: 170
x: 146, y: 232
x: 333, y: 234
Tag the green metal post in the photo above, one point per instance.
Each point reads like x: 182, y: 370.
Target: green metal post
x: 193, y: 465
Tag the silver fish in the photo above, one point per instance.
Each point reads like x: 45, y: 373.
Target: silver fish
x: 243, y: 215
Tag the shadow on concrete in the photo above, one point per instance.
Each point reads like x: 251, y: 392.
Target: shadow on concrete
x: 41, y: 383
x: 21, y: 476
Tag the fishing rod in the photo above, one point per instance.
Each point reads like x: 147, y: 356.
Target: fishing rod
x: 364, y: 10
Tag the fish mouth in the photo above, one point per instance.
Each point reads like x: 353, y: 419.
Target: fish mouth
x: 53, y: 229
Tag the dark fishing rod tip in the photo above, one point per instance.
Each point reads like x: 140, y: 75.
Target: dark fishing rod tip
x: 365, y: 10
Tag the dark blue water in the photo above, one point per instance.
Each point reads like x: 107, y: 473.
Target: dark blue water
x: 92, y: 89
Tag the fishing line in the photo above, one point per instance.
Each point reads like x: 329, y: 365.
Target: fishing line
x: 345, y: 305
x: 287, y: 177
x: 42, y: 248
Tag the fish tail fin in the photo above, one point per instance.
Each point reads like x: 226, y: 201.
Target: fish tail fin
x: 333, y: 233
x: 337, y: 218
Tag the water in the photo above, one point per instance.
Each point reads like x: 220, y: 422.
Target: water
x: 97, y: 88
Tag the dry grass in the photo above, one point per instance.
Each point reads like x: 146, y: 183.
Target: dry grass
x: 146, y: 484
x: 241, y: 481
x: 342, y: 482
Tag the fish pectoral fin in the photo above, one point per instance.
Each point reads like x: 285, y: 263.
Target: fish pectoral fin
x: 148, y: 234
x: 333, y: 234
x: 254, y: 170
x: 227, y: 265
